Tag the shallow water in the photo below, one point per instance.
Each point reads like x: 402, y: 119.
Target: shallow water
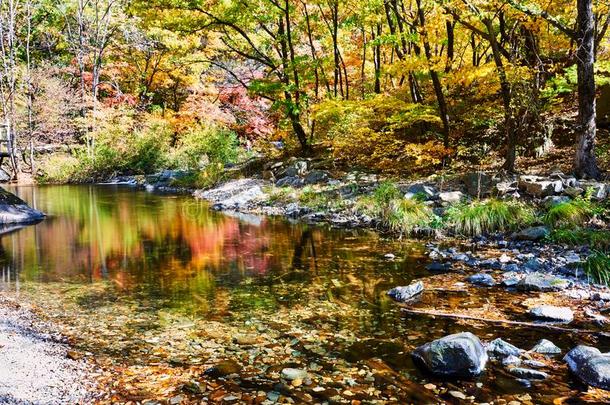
x: 171, y: 253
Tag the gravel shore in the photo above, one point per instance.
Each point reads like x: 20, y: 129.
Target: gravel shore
x: 34, y: 364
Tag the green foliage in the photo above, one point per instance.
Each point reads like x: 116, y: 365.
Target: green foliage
x: 488, y: 216
x: 570, y: 214
x: 212, y: 143
x: 594, y: 238
x: 210, y: 176
x: 597, y: 267
x: 395, y: 212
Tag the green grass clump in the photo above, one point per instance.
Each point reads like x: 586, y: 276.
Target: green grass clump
x: 488, y: 216
x: 394, y: 212
x: 280, y: 195
x: 594, y: 238
x: 570, y: 214
x: 597, y: 267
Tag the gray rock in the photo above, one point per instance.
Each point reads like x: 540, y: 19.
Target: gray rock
x: 554, y: 200
x: 542, y: 282
x: 483, y: 279
x: 552, y: 313
x: 234, y: 194
x: 511, y: 361
x: 316, y: 177
x: 546, y: 347
x: 13, y: 210
x: 590, y: 366
x: 510, y: 279
x: 289, y: 181
x: 301, y: 167
x: 534, y: 233
x: 539, y: 187
x: 477, y: 183
x: 406, y: 292
x: 528, y: 373
x: 534, y: 363
x: 293, y: 374
x: 502, y: 348
x: 506, y: 187
x: 438, y: 266
x: 4, y: 176
x: 428, y: 192
x: 599, y: 191
x: 294, y: 210
x: 573, y: 191
x: 451, y: 196
x: 457, y: 355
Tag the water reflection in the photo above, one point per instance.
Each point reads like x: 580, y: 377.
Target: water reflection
x: 175, y: 248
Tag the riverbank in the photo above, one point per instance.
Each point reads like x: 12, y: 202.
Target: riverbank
x: 38, y: 366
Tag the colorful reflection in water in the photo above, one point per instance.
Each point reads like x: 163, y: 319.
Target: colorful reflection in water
x: 175, y: 248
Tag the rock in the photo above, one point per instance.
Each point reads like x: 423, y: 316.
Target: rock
x: 573, y: 191
x: 438, y: 266
x: 291, y: 374
x: 294, y: 210
x: 546, y: 347
x: 477, y: 183
x: 533, y: 233
x: 451, y: 197
x: 13, y: 210
x: 482, y: 279
x: 419, y: 189
x: 599, y: 191
x: 511, y: 361
x: 406, y: 292
x: 4, y: 176
x: 534, y: 363
x: 528, y: 373
x: 554, y: 200
x: 590, y: 366
x: 223, y: 369
x: 316, y: 177
x: 552, y: 313
x: 457, y: 355
x: 289, y: 181
x: 510, y: 279
x: 502, y: 348
x: 539, y: 187
x: 542, y: 282
x: 600, y: 296
x: 506, y: 187
x: 268, y: 175
x: 234, y: 194
x: 301, y: 167
x: 457, y: 394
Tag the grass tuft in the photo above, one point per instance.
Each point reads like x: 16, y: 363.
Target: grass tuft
x: 594, y: 238
x: 597, y: 267
x: 488, y: 216
x: 570, y: 214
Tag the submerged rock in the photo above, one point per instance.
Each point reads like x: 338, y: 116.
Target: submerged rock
x: 293, y: 374
x: 483, y: 279
x: 13, y: 210
x: 542, y: 282
x: 533, y: 233
x: 552, y: 313
x: 528, y: 373
x: 457, y: 355
x: 546, y: 347
x: 590, y: 366
x: 405, y: 293
x: 503, y: 348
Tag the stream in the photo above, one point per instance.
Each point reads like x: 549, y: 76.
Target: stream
x: 159, y: 277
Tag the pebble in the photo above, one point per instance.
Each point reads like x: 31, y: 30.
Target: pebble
x: 457, y: 394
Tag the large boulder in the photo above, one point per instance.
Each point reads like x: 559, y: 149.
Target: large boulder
x: 316, y: 177
x: 502, y: 348
x: 540, y: 187
x: 533, y: 233
x: 457, y: 355
x: 13, y: 210
x: 477, y: 183
x: 234, y: 194
x: 405, y: 293
x: 590, y: 366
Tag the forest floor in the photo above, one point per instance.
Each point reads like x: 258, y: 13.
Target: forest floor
x: 36, y: 364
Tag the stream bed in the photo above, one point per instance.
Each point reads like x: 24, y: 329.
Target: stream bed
x: 177, y: 302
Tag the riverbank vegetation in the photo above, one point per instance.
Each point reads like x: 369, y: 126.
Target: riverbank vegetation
x: 114, y: 87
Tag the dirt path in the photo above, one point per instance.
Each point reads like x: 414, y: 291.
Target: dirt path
x: 34, y: 365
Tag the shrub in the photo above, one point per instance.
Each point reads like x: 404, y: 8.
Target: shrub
x: 210, y: 176
x: 570, y: 214
x: 597, y: 267
x: 217, y: 144
x: 488, y: 216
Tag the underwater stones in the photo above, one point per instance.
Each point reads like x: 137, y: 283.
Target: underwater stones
x: 292, y: 374
x: 533, y: 233
x: 590, y: 366
x: 457, y: 355
x: 438, y: 266
x: 546, y: 347
x: 405, y: 293
x: 482, y: 279
x: 552, y: 313
x: 502, y: 348
x: 542, y: 282
x: 223, y: 368
x: 528, y: 373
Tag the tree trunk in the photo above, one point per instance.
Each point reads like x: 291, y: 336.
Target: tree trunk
x: 585, y: 164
